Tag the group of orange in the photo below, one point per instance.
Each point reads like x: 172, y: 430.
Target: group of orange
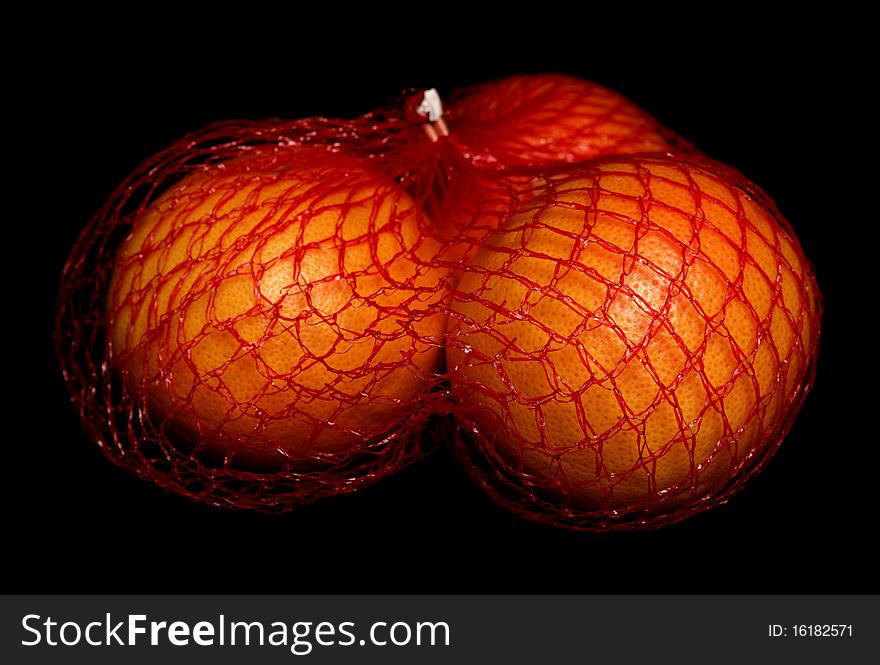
x: 621, y: 328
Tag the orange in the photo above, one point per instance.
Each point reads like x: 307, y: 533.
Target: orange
x: 526, y: 122
x: 269, y: 309
x: 634, y: 338
x: 546, y: 119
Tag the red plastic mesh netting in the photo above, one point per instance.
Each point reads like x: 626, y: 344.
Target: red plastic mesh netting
x: 632, y: 345
x: 270, y: 312
x: 251, y: 318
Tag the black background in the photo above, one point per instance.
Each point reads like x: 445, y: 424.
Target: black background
x: 90, y: 107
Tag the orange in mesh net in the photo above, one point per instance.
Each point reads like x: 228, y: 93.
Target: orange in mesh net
x: 274, y: 308
x: 504, y: 132
x: 632, y: 345
x: 542, y: 120
x: 251, y: 319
